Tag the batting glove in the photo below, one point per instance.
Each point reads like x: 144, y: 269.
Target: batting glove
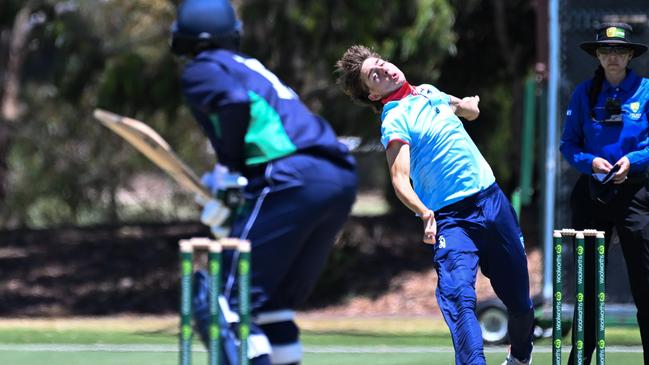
x: 214, y: 213
x: 221, y: 179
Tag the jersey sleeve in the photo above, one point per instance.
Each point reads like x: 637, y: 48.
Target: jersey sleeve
x: 572, y: 138
x: 435, y: 93
x: 639, y: 159
x: 221, y: 106
x: 394, y: 127
x: 208, y: 87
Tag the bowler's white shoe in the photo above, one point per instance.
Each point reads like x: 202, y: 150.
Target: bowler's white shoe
x: 510, y: 360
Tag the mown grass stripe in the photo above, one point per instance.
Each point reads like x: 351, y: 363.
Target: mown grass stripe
x: 307, y: 349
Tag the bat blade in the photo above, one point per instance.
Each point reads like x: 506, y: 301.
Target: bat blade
x: 155, y: 148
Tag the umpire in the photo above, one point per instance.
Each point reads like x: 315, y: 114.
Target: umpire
x: 606, y: 138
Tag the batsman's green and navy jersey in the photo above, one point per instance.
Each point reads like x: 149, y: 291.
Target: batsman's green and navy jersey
x: 250, y: 116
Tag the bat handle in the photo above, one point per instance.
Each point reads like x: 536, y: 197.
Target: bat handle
x: 202, y: 199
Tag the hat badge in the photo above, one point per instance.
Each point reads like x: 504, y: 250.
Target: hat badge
x: 615, y: 32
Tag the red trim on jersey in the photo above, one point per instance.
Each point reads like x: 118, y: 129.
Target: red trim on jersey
x: 405, y: 90
x: 398, y: 140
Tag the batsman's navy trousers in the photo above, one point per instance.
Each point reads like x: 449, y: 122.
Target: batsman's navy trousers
x: 482, y: 230
x: 295, y: 209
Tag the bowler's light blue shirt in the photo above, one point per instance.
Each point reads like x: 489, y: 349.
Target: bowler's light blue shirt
x: 445, y: 165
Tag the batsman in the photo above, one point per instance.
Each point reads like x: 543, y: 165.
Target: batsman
x: 301, y: 182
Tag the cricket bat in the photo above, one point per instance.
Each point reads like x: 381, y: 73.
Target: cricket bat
x: 154, y: 147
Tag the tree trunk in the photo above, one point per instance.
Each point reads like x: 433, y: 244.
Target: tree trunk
x: 10, y: 108
x: 5, y: 138
x: 17, y: 50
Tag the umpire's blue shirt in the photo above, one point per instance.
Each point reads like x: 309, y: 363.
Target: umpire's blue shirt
x: 587, y: 135
x: 250, y: 116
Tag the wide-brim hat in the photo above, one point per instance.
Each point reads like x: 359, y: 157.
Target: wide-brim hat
x: 613, y: 34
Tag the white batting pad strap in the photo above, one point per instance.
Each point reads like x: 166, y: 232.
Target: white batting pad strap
x: 230, y: 316
x: 287, y: 354
x: 284, y: 315
x: 258, y: 345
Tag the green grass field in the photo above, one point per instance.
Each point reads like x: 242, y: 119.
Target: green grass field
x: 340, y: 341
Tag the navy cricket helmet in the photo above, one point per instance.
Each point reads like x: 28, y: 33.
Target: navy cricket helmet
x: 205, y: 24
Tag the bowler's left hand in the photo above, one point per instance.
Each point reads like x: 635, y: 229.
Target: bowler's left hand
x: 468, y: 107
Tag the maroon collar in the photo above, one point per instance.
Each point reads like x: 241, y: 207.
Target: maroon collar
x: 405, y: 90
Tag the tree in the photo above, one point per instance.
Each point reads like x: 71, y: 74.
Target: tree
x: 67, y: 57
x: 495, y: 52
x: 15, y: 39
x: 301, y: 40
x: 113, y: 54
x: 82, y: 55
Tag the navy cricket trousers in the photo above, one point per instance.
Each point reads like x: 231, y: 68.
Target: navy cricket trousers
x: 482, y: 230
x: 295, y: 212
x: 628, y: 214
